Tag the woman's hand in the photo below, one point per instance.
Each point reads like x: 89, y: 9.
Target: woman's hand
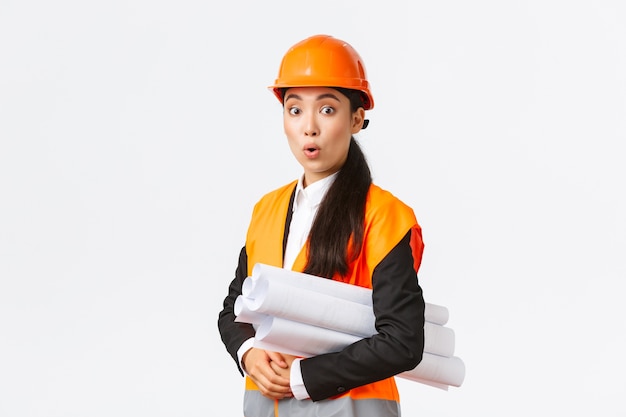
x: 269, y: 371
x: 282, y: 366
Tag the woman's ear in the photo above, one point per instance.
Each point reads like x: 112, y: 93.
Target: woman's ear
x: 358, y: 117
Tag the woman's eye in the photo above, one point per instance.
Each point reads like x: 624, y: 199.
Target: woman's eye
x: 327, y: 110
x: 294, y: 111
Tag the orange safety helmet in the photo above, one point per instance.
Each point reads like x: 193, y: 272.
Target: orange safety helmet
x: 323, y: 61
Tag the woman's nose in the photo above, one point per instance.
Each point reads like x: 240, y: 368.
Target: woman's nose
x: 311, y: 128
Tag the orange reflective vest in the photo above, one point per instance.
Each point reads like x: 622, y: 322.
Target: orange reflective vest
x: 387, y: 221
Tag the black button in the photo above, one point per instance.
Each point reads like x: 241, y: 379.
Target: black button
x: 340, y: 389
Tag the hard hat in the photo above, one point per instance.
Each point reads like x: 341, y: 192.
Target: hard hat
x: 323, y: 61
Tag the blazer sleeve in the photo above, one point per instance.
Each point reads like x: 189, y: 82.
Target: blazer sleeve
x: 398, y: 346
x: 234, y: 333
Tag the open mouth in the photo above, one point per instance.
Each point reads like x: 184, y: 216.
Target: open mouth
x: 311, y: 151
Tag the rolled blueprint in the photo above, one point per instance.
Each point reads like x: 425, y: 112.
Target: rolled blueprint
x: 301, y: 339
x: 305, y: 315
x: 244, y: 314
x: 437, y: 369
x: 287, y: 301
x: 282, y: 335
x: 338, y: 289
x: 433, y: 313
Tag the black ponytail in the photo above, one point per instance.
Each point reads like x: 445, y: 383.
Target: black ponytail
x: 336, y: 235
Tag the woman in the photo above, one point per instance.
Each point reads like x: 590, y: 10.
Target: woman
x: 334, y: 223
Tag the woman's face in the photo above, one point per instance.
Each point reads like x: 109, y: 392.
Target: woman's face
x: 318, y: 123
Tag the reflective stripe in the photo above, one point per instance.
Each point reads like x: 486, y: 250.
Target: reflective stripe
x: 256, y: 405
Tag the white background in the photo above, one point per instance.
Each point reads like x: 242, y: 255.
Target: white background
x: 135, y: 136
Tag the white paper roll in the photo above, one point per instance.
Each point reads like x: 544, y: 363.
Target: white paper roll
x: 297, y: 304
x: 305, y: 315
x: 433, y: 313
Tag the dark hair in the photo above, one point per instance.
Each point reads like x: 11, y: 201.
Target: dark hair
x: 336, y: 235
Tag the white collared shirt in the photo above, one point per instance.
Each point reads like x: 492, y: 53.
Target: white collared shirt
x: 305, y: 205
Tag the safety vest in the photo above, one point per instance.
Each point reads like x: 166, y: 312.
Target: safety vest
x: 387, y: 221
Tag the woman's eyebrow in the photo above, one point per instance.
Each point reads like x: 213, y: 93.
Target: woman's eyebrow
x: 297, y: 97
x: 328, y: 95
x: 320, y: 97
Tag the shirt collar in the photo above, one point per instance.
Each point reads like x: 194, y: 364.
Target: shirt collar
x: 313, y: 194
